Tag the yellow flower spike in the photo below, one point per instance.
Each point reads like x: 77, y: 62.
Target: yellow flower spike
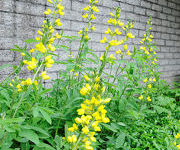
x: 125, y: 47
x: 149, y: 99
x: 86, y: 78
x: 47, y: 12
x: 130, y: 35
x: 85, y: 16
x: 140, y: 97
x: 23, y: 54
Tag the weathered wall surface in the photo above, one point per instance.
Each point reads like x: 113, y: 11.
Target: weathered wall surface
x: 19, y: 19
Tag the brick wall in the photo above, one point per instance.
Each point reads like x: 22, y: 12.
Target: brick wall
x: 19, y: 19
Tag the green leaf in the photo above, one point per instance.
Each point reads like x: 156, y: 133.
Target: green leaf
x: 120, y: 140
x: 46, y: 116
x: 28, y: 41
x: 30, y: 135
x: 110, y: 127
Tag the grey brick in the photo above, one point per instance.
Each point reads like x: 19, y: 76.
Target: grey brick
x: 167, y: 10
x: 133, y: 2
x: 6, y: 55
x: 146, y: 4
x: 139, y: 10
x: 157, y: 7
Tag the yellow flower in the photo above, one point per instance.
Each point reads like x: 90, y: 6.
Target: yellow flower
x: 58, y: 36
x: 84, y: 91
x: 29, y: 81
x: 112, y: 57
x: 149, y: 86
x: 108, y: 31
x: 149, y: 99
x: 23, y: 54
x: 50, y: 1
x: 78, y: 120
x: 44, y: 76
x: 86, y: 8
x: 154, y: 79
x: 58, y: 22
x: 10, y: 84
x: 47, y: 12
x: 93, y: 17
x: 145, y: 80
x: 40, y: 47
x: 31, y: 51
x: 86, y: 78
x: 51, y: 48
x: 39, y: 32
x: 88, y: 87
x: 125, y: 47
x: 60, y: 12
x: 94, y: 8
x: 177, y: 135
x: 85, y: 16
x: 35, y: 82
x: 118, y: 32
x: 120, y: 23
x: 31, y: 64
x: 118, y: 52
x: 93, y: 28
x: 97, y: 79
x: 104, y: 40
x: 130, y: 35
x: 140, y: 97
x: 85, y: 130
x: 107, y: 100
x: 128, y: 52
x: 51, y: 40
